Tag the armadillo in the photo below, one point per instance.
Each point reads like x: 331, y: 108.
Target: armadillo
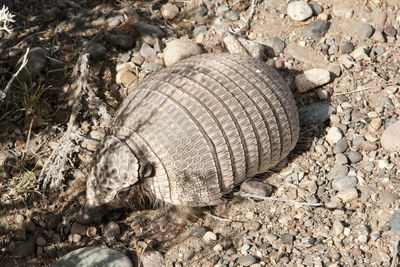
x: 192, y: 132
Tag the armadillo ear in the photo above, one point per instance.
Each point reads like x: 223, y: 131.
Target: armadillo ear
x: 146, y: 169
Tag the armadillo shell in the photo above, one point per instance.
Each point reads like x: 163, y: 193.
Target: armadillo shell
x: 207, y: 123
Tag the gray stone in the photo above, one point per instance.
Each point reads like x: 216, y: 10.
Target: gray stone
x: 96, y: 51
x: 337, y: 171
x: 316, y: 29
x: 378, y: 36
x: 257, y: 188
x: 199, y: 30
x: 149, y: 32
x: 152, y: 259
x: 37, y: 61
x: 287, y: 239
x: 364, y: 31
x: 93, y: 256
x: 346, y: 47
x: 316, y: 8
x: 333, y: 49
x: 341, y: 146
x: 395, y: 222
x: 247, y: 260
x: 115, y: 21
x: 190, y: 254
x: 389, y: 30
x: 299, y: 10
x: 277, y: 44
x: 358, y: 140
x: 232, y: 15
x: 147, y: 51
x: 315, y: 113
x: 344, y: 182
x: 121, y: 41
x: 355, y: 156
x: 198, y: 12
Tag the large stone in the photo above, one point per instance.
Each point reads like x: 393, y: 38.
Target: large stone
x: 299, y: 10
x: 93, y: 256
x: 390, y: 139
x: 311, y: 79
x: 180, y: 49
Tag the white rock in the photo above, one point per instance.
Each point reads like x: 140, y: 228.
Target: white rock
x: 311, y: 79
x: 179, y: 49
x: 299, y: 10
x: 360, y: 53
x: 169, y: 11
x: 209, y: 237
x: 347, y: 194
x: 334, y: 134
x: 346, y: 60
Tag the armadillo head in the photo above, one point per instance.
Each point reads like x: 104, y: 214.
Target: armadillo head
x: 116, y: 169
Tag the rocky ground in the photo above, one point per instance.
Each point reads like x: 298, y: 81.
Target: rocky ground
x: 340, y: 58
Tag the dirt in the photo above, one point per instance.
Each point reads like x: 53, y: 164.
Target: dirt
x: 343, y: 231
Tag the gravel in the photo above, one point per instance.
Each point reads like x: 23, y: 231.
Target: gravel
x: 346, y: 158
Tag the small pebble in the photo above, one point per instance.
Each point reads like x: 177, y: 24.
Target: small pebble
x: 151, y: 259
x: 369, y: 146
x: 257, y: 188
x: 299, y: 10
x: 341, y: 146
x: 388, y: 197
x: 378, y: 36
x: 390, y: 30
x: 96, y: 51
x: 364, y: 31
x: 198, y: 12
x: 209, y: 237
x: 199, y: 30
x: 232, y: 15
x: 355, y: 156
x: 346, y: 47
x: 337, y: 227
x: 344, y: 182
x: 287, y: 239
x: 169, y: 11
x: 334, y: 135
x: 315, y: 113
x: 316, y: 29
x: 311, y: 79
x: 111, y: 231
x: 347, y: 194
x: 246, y: 260
x: 115, y: 21
x: 346, y: 60
x: 147, y: 51
x: 149, y: 32
x: 190, y: 254
x: 316, y: 8
x: 121, y: 41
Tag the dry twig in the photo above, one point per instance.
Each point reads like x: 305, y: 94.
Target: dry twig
x: 293, y: 202
x: 67, y: 144
x: 3, y: 93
